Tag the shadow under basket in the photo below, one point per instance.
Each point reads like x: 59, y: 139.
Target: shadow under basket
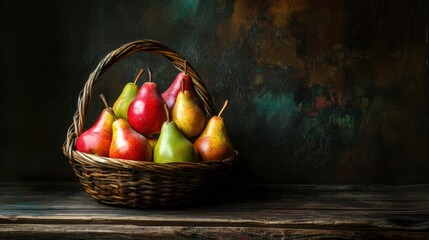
x: 135, y: 183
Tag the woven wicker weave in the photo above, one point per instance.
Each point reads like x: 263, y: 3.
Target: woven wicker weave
x: 135, y: 183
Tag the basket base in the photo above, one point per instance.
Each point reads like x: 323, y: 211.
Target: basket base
x: 149, y: 185
x: 176, y: 201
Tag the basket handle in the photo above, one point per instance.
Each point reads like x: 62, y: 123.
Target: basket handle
x: 144, y: 45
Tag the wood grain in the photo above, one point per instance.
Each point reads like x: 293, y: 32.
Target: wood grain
x: 31, y: 231
x: 45, y: 210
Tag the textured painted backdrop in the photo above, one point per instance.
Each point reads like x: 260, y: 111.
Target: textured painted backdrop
x: 321, y: 91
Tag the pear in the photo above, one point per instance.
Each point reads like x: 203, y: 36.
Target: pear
x: 182, y: 80
x: 129, y: 144
x: 146, y: 112
x: 214, y: 142
x: 172, y: 146
x: 129, y: 92
x: 187, y: 115
x: 96, y: 140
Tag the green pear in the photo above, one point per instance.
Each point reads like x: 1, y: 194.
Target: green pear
x: 188, y: 116
x: 172, y: 146
x: 129, y: 92
x: 214, y: 142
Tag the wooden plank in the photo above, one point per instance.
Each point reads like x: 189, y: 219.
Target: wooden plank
x: 71, y: 196
x: 267, y: 210
x: 387, y: 221
x: 97, y: 231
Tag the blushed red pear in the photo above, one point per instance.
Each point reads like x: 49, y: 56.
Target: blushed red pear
x: 214, y: 143
x: 129, y: 144
x: 170, y: 95
x: 96, y: 140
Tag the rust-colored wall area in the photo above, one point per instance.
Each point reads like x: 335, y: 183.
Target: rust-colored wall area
x: 323, y: 91
x: 339, y: 87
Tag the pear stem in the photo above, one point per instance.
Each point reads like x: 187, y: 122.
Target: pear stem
x: 150, y: 74
x: 186, y: 66
x: 183, y: 85
x: 107, y: 106
x: 167, y: 112
x: 103, y: 98
x: 112, y: 112
x: 223, y: 108
x: 139, y: 75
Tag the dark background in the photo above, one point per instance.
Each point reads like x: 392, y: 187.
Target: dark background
x: 321, y: 91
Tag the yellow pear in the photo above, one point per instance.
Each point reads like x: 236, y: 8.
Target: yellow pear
x: 187, y: 115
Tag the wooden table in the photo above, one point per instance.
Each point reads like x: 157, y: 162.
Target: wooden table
x: 62, y: 210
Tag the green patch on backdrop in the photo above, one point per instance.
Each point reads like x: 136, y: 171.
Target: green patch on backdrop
x: 270, y: 106
x: 185, y: 9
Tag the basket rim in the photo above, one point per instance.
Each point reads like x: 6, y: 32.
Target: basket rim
x: 104, y: 159
x: 125, y: 164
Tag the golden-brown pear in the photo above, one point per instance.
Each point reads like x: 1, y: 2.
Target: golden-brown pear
x: 187, y: 115
x: 214, y: 142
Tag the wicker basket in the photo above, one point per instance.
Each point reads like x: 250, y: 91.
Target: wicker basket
x: 135, y: 183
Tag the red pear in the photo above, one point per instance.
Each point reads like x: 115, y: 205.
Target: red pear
x: 170, y: 95
x: 129, y: 144
x: 97, y: 139
x: 146, y: 112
